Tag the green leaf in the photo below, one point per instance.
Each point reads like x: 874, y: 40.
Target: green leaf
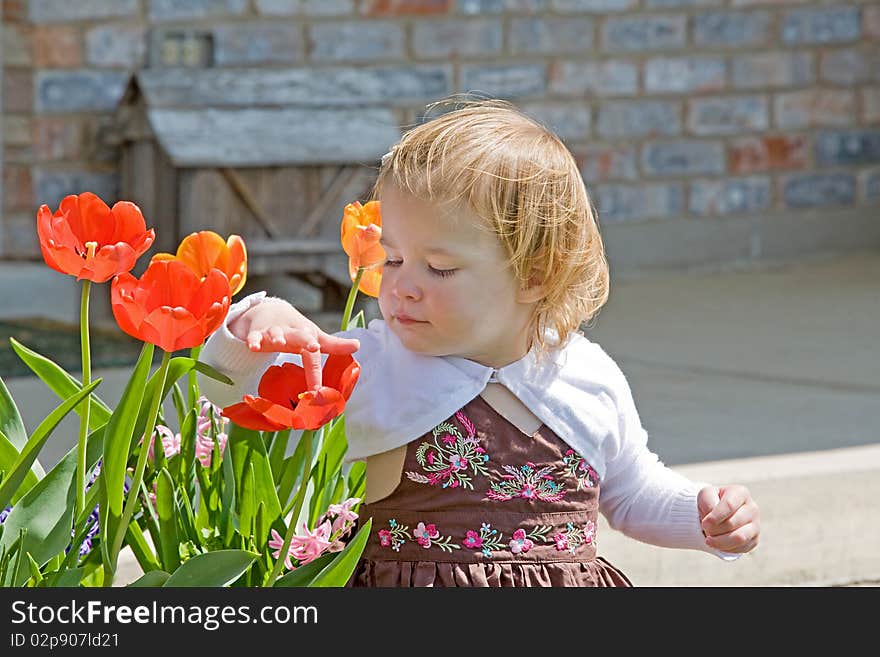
x: 151, y: 578
x: 60, y: 382
x: 8, y: 456
x: 69, y: 578
x: 303, y: 575
x: 248, y: 503
x: 211, y: 373
x: 218, y: 568
x: 46, y: 510
x: 169, y: 554
x: 11, y: 424
x: 246, y: 448
x: 277, y: 453
x: 35, y: 443
x: 117, y: 445
x: 339, y: 571
x: 139, y: 547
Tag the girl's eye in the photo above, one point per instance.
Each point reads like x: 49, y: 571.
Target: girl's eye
x: 443, y: 273
x: 393, y: 263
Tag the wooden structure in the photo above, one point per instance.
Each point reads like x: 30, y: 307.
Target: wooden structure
x: 245, y: 162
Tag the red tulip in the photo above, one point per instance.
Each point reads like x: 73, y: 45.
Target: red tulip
x: 170, y: 306
x: 206, y: 250
x: 285, y: 402
x: 86, y: 239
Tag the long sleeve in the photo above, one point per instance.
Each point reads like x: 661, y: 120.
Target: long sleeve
x: 640, y: 496
x: 231, y: 356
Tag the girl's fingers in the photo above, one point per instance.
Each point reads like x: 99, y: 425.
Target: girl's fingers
x: 311, y: 361
x: 276, y: 335
x: 254, y: 340
x: 742, y: 539
x: 330, y: 344
x: 731, y: 499
x: 741, y: 517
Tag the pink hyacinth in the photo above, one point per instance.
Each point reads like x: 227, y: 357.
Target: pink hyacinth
x: 170, y: 441
x: 309, y: 546
x: 343, y: 516
x: 277, y: 542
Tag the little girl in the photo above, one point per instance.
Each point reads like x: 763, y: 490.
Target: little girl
x: 491, y: 443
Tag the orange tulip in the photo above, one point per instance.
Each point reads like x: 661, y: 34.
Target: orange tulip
x: 87, y: 239
x: 361, y: 231
x: 206, y: 250
x: 285, y: 402
x: 170, y: 306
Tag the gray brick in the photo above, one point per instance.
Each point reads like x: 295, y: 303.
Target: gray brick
x: 683, y: 158
x: 772, y: 69
x: 636, y: 202
x: 78, y: 91
x: 63, y: 11
x: 819, y: 190
x: 849, y: 66
x: 729, y: 29
x: 444, y: 38
x: 871, y: 105
x: 599, y: 78
x: 592, y: 6
x: 305, y: 7
x: 848, y: 147
x: 506, y: 81
x: 551, y: 36
x: 684, y: 74
x: 307, y: 87
x: 172, y: 10
x: 871, y: 185
x: 116, y: 46
x: 474, y: 7
x: 668, y: 4
x: 815, y: 107
x: 254, y: 43
x: 730, y: 196
x: 821, y: 25
x: 642, y: 118
x: 728, y: 116
x: 356, y: 41
x: 570, y: 121
x: 53, y: 185
x: 601, y: 162
x: 648, y: 33
x: 17, y: 46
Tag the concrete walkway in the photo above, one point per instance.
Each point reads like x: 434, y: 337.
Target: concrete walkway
x: 770, y: 378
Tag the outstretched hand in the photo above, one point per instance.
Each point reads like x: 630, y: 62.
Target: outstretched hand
x: 729, y: 517
x: 277, y: 326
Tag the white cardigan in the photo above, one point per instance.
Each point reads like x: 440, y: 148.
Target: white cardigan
x: 578, y: 391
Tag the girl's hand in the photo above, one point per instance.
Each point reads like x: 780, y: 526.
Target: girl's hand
x: 275, y: 325
x: 729, y: 517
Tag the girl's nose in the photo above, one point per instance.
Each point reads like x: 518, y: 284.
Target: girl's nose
x: 406, y: 288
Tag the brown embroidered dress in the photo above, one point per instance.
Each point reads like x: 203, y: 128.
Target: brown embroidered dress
x: 482, y: 504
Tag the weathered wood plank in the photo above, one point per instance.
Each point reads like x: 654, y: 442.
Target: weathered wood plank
x: 262, y: 136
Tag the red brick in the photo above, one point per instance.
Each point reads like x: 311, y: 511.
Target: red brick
x: 15, y: 11
x: 401, y: 7
x: 57, y: 138
x: 18, y: 90
x: 769, y: 152
x: 18, y: 45
x: 57, y: 46
x: 18, y: 188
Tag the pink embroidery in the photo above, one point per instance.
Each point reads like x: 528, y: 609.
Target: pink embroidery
x: 528, y: 483
x: 452, y: 457
x: 576, y: 466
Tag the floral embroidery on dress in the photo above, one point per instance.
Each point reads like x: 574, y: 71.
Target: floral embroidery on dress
x: 448, y: 457
x: 573, y: 537
x: 577, y: 467
x: 527, y: 482
x: 487, y: 539
x: 424, y: 535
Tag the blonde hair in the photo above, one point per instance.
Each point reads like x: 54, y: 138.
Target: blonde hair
x: 524, y: 184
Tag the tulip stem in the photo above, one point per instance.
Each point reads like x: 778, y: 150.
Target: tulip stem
x: 297, y: 506
x: 352, y: 295
x: 134, y: 489
x: 86, y: 404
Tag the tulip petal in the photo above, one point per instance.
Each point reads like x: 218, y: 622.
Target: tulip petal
x: 128, y: 314
x: 214, y: 288
x: 237, y: 265
x: 97, y: 223
x: 165, y: 325
x: 341, y: 373
x: 318, y: 407
x: 245, y: 416
x: 203, y: 251
x: 129, y: 222
x: 109, y: 261
x: 283, y: 384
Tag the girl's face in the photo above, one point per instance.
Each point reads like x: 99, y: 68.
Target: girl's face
x: 446, y: 289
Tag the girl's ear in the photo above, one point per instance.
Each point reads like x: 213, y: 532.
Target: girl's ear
x: 536, y: 288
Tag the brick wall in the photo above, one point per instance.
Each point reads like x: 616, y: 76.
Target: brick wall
x: 696, y: 110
